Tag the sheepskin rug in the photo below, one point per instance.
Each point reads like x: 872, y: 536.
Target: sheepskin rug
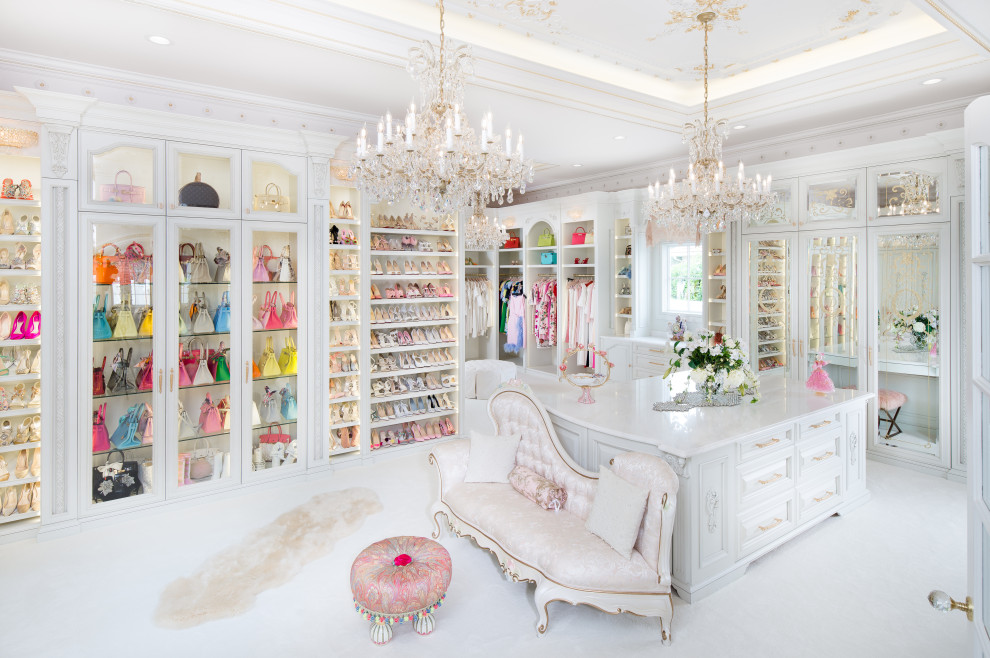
x: 227, y: 584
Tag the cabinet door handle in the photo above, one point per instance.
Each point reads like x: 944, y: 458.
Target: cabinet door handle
x: 801, y: 348
x: 776, y: 476
x: 171, y: 379
x: 776, y: 522
x: 247, y: 371
x: 161, y: 377
x: 821, y: 424
x: 823, y: 457
x: 869, y: 352
x: 828, y: 494
x: 769, y: 443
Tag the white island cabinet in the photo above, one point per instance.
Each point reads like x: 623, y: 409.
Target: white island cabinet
x: 752, y: 476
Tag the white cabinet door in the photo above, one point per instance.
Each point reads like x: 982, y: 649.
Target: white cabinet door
x: 273, y: 186
x: 203, y: 181
x: 833, y: 200
x: 121, y: 173
x: 908, y: 192
x: 782, y: 215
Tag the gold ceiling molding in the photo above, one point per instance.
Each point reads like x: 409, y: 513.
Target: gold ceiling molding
x: 945, y: 14
x: 537, y: 11
x: 685, y: 12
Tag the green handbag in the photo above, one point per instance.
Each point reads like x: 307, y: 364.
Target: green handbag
x: 219, y: 366
x: 545, y: 239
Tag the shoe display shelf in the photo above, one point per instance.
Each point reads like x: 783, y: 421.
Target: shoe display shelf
x: 768, y: 269
x: 717, y: 284
x: 413, y: 285
x: 623, y: 263
x: 20, y: 344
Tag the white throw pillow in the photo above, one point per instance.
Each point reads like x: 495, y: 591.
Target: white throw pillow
x: 617, y: 512
x: 492, y: 458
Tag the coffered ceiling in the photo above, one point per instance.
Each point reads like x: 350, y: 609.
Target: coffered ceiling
x: 604, y: 85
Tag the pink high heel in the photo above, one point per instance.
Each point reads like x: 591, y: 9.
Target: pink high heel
x: 18, y: 329
x: 33, y: 326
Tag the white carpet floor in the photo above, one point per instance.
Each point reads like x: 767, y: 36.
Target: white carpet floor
x: 854, y: 586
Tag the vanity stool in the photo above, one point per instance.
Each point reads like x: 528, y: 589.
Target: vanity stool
x: 889, y: 404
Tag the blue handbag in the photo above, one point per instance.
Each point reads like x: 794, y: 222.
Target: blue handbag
x: 548, y: 258
x: 290, y: 409
x: 125, y: 436
x: 101, y: 328
x: 221, y: 318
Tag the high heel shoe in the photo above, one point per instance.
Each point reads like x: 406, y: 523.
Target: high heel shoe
x: 7, y: 223
x: 36, y: 463
x: 5, y: 326
x: 33, y: 326
x: 17, y: 397
x: 6, y: 434
x: 17, y: 328
x: 35, y: 434
x: 21, y: 469
x: 34, y: 263
x: 10, y: 502
x: 35, y: 400
x: 20, y: 257
x: 24, y: 504
x: 4, y: 293
x: 4, y: 473
x: 36, y: 497
x: 23, y: 432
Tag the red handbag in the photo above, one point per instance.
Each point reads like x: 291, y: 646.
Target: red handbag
x: 511, y: 243
x: 269, y: 314
x: 273, y: 436
x: 187, y: 359
x: 146, y: 374
x: 578, y: 238
x: 101, y: 440
x: 290, y: 320
x: 99, y: 381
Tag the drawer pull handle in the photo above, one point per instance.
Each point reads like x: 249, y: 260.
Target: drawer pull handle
x: 776, y: 476
x: 823, y: 457
x: 821, y: 424
x: 656, y: 351
x: 776, y: 522
x: 768, y: 443
x: 828, y: 494
x: 654, y: 363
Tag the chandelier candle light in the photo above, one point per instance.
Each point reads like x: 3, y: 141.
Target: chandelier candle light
x: 705, y: 201
x: 482, y: 233
x: 434, y: 157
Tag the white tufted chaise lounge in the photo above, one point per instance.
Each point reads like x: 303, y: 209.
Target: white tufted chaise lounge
x: 553, y: 549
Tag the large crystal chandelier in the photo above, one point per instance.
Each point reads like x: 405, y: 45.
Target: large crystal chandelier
x: 482, y: 233
x: 434, y: 157
x: 705, y: 201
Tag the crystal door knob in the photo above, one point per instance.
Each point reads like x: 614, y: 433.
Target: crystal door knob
x: 944, y: 603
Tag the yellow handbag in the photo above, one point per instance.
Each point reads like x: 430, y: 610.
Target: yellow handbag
x: 124, y: 327
x: 147, y: 324
x: 288, y: 361
x: 269, y: 364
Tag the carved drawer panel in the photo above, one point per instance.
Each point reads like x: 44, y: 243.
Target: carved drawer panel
x: 764, y: 479
x: 765, y: 524
x: 822, y: 453
x: 823, y: 422
x: 819, y: 496
x: 767, y: 442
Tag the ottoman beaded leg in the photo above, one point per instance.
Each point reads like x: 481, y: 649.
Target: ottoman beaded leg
x: 400, y: 579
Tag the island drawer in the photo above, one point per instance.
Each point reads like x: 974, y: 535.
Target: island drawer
x: 762, y: 526
x: 766, y: 442
x: 819, y: 496
x: 818, y: 454
x: 818, y: 423
x: 761, y: 479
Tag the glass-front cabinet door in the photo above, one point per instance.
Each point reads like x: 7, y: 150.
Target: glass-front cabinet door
x: 767, y: 315
x: 833, y: 303
x: 275, y: 362
x: 204, y: 395
x: 123, y: 392
x: 273, y: 186
x: 908, y: 192
x: 782, y: 215
x: 832, y: 200
x: 909, y: 350
x: 121, y: 174
x: 203, y: 181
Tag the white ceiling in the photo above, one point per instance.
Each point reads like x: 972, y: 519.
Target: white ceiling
x: 570, y: 78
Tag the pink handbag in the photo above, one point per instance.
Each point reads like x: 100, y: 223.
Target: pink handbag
x: 289, y: 318
x: 187, y: 360
x: 269, y: 313
x: 129, y: 193
x: 260, y: 272
x: 101, y: 440
x: 209, y: 417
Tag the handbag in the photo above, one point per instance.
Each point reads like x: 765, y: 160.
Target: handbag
x: 147, y: 327
x: 222, y: 259
x: 183, y: 328
x: 209, y: 417
x: 218, y: 364
x: 184, y: 259
x: 545, y: 239
x: 270, y: 407
x: 284, y: 272
x: 290, y: 408
x: 146, y: 373
x: 101, y: 440
x: 288, y: 360
x: 589, y: 238
x: 221, y: 317
x: 118, y: 381
x: 115, y: 480
x: 269, y: 364
x: 199, y: 269
x: 134, y: 266
x: 272, y: 200
x: 511, y: 243
x: 99, y: 381
x: 201, y: 461
x: 579, y: 238
x: 289, y: 318
x: 274, y: 436
x: 198, y: 194
x: 118, y: 193
x: 124, y: 326
x: 146, y: 425
x: 185, y: 421
x: 268, y: 315
x: 105, y: 267
x: 255, y: 414
x: 101, y: 328
x: 548, y: 258
x: 146, y: 474
x: 260, y: 271
x: 125, y: 436
x: 200, y: 315
x: 628, y: 250
x: 223, y: 406
x: 188, y: 364
x: 203, y: 375
x: 256, y: 323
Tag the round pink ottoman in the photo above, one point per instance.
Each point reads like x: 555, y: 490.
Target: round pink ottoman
x: 400, y: 579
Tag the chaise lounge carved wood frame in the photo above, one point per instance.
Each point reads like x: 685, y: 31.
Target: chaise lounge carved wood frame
x: 644, y: 588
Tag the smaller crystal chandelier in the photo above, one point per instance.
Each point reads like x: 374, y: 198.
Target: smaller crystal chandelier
x: 482, y: 233
x: 17, y: 138
x: 915, y: 193
x: 705, y: 201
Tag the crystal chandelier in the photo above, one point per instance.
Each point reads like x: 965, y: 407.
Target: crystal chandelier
x: 17, y: 137
x: 705, y: 201
x: 482, y: 233
x: 915, y: 193
x: 434, y: 157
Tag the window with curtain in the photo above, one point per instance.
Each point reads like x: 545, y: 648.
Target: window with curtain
x: 681, y: 279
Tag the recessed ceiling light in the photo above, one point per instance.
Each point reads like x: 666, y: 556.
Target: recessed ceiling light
x: 618, y: 137
x: 933, y: 81
x: 741, y: 126
x: 161, y: 41
x: 577, y: 165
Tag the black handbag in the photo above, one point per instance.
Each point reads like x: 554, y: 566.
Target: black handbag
x: 111, y: 483
x: 119, y: 369
x: 198, y: 194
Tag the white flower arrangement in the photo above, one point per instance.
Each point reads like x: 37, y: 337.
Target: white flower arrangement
x: 716, y: 367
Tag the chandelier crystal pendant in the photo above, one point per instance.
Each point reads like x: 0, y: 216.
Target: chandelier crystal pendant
x: 705, y: 201
x: 482, y: 233
x: 434, y: 157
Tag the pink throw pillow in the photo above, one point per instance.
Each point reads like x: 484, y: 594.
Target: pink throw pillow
x: 537, y: 488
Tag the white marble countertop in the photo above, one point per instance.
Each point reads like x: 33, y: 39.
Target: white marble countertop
x: 625, y: 409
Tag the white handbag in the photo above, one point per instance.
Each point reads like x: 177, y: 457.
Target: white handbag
x: 202, y: 322
x: 255, y: 416
x: 285, y: 272
x: 145, y: 473
x: 199, y: 269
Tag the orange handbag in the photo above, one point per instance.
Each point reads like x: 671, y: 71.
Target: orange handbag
x: 105, y: 267
x: 255, y: 370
